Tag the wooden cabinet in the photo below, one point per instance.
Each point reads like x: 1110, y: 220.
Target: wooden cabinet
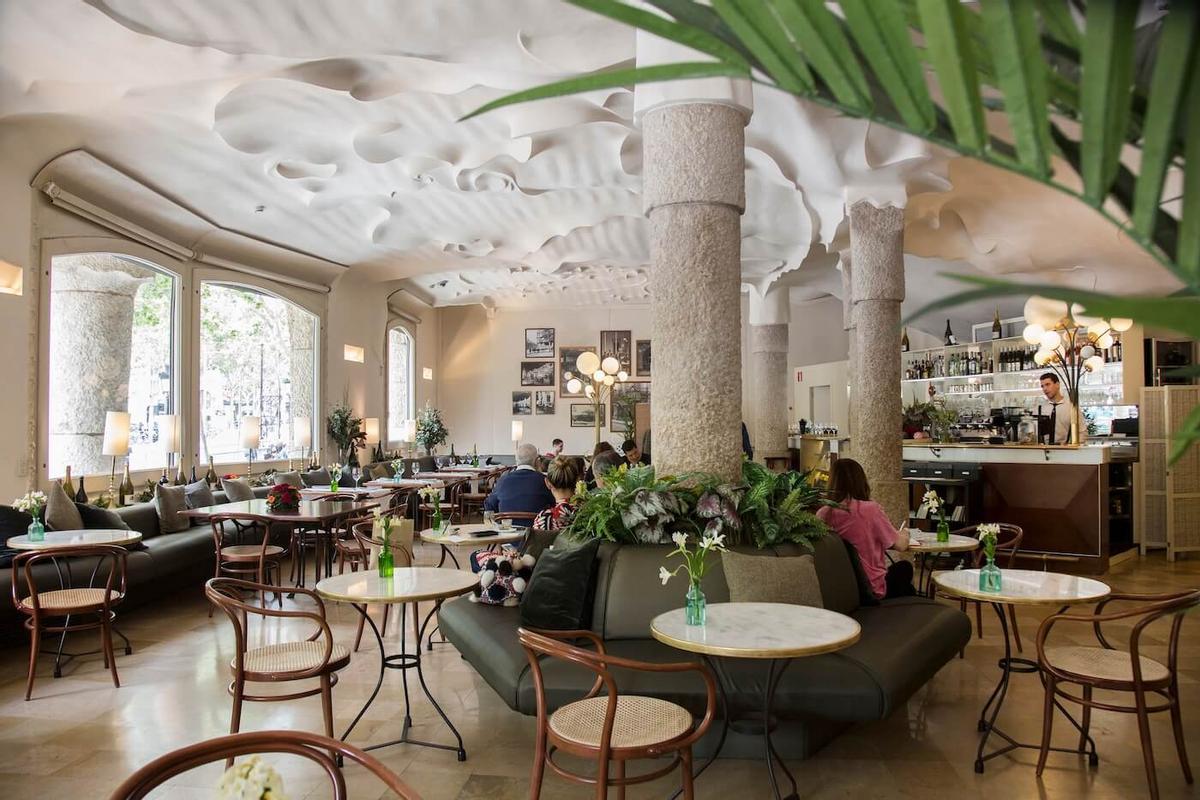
x: 1169, y: 507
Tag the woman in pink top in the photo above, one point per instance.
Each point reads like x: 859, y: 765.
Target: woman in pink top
x: 863, y: 524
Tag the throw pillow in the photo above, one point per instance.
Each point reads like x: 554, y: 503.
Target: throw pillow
x: 168, y: 502
x: 290, y: 478
x: 61, y: 513
x: 12, y: 523
x: 556, y: 598
x: 771, y: 579
x: 237, y: 490
x: 316, y: 477
x: 503, y: 579
x: 199, y: 494
x: 381, y: 471
x: 96, y: 518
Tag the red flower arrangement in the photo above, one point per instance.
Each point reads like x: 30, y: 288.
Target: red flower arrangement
x: 283, y: 497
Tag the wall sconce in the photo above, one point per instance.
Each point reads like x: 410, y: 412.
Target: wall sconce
x: 427, y: 373
x: 351, y: 352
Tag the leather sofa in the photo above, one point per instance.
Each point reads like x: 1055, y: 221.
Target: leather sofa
x: 903, y: 645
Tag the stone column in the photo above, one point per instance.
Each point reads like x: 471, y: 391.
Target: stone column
x: 91, y: 339
x: 769, y: 317
x: 848, y: 327
x: 694, y: 195
x: 877, y: 253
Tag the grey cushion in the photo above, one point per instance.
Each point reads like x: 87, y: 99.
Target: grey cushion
x: 771, y: 579
x: 835, y: 573
x: 290, y: 478
x: 237, y: 490
x: 168, y: 502
x: 140, y: 517
x: 199, y: 494
x: 316, y: 477
x: 191, y: 551
x: 61, y: 513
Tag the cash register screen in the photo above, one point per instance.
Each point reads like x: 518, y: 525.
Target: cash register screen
x: 1103, y: 416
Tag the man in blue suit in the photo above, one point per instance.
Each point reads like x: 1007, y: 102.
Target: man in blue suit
x: 523, y: 489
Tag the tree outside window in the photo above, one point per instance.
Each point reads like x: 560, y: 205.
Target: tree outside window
x: 400, y: 383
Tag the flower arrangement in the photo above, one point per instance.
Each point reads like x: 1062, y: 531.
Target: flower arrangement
x: 431, y: 431
x: 335, y: 475
x: 695, y: 561
x: 252, y: 779
x: 937, y: 504
x: 397, y: 468
x: 432, y: 496
x: 32, y: 503
x: 988, y: 534
x: 283, y: 497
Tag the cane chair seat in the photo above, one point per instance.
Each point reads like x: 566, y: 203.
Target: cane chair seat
x: 639, y: 722
x: 1100, y: 663
x: 77, y: 599
x: 251, y: 552
x: 292, y: 657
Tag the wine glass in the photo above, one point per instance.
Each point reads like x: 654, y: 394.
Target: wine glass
x: 356, y: 473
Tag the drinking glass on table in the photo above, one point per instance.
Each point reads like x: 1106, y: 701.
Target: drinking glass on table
x: 489, y: 518
x: 356, y: 473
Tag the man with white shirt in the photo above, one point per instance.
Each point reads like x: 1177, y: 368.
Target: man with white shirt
x: 522, y: 489
x: 1057, y: 409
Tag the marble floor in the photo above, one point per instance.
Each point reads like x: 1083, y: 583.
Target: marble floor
x: 79, y: 736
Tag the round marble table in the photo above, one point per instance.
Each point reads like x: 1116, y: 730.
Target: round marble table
x: 77, y: 538
x: 775, y: 632
x: 406, y: 585
x: 1021, y: 587
x: 923, y: 543
x: 467, y: 534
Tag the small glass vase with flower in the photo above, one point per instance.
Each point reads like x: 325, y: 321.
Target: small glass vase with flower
x: 989, y: 573
x: 695, y: 561
x: 432, y: 497
x: 387, y: 560
x: 335, y: 476
x: 33, y: 503
x: 938, y: 505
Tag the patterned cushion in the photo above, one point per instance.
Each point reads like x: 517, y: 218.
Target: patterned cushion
x: 502, y: 578
x: 61, y: 513
x: 770, y: 579
x: 237, y: 490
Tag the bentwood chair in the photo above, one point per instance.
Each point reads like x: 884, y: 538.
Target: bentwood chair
x: 1007, y: 545
x: 617, y: 728
x: 470, y: 502
x: 94, y: 604
x: 262, y: 561
x: 317, y: 656
x: 402, y: 554
x: 298, y: 743
x: 1113, y: 670
x: 449, y: 503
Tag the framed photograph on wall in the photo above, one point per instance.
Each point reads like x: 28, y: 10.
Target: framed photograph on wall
x: 619, y: 345
x: 623, y: 395
x: 543, y: 401
x: 539, y: 343
x: 522, y: 404
x: 537, y: 373
x: 643, y: 358
x: 583, y: 415
x: 567, y: 355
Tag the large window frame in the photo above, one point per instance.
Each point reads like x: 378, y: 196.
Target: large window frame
x: 394, y: 421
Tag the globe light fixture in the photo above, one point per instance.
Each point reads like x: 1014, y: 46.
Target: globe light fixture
x: 601, y: 377
x: 1033, y: 333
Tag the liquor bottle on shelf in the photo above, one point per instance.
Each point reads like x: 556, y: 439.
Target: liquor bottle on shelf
x: 68, y: 484
x: 904, y: 341
x: 950, y: 338
x: 997, y: 330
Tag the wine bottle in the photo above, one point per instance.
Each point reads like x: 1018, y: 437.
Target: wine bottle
x: 68, y: 484
x: 951, y: 340
x: 80, y: 494
x: 164, y: 480
x: 180, y: 480
x: 904, y: 341
x: 126, y: 490
x: 210, y: 477
x: 997, y: 330
x: 193, y: 473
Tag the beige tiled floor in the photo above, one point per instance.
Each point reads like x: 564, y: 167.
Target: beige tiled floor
x: 79, y: 736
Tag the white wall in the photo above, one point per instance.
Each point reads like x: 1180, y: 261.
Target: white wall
x: 480, y: 369
x: 836, y: 376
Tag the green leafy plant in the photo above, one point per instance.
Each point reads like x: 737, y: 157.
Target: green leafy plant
x: 431, y: 431
x: 778, y: 507
x: 917, y: 416
x: 1077, y: 113
x: 346, y: 431
x: 941, y: 419
x: 633, y: 506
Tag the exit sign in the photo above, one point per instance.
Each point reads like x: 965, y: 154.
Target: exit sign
x: 799, y: 376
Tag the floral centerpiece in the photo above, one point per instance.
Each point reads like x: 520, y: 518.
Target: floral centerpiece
x: 397, y: 468
x: 432, y: 496
x: 695, y: 561
x: 283, y: 497
x: 431, y: 431
x: 989, y: 573
x: 33, y: 503
x: 335, y: 475
x: 252, y: 779
x: 387, y: 561
x: 937, y: 504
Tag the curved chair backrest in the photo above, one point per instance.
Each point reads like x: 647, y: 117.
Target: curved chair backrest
x: 311, y: 746
x: 24, y: 585
x: 226, y: 594
x: 1007, y: 543
x: 241, y: 522
x: 402, y: 545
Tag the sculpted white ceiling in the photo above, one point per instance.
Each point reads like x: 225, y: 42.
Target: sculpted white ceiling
x: 330, y: 127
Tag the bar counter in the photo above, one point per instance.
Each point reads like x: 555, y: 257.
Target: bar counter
x: 1058, y: 494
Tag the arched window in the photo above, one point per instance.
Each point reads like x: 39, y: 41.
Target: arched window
x: 257, y: 359
x: 400, y: 382
x: 113, y: 328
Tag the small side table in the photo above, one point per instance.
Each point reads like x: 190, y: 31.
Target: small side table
x: 774, y: 632
x: 923, y: 543
x: 465, y: 534
x: 1028, y: 588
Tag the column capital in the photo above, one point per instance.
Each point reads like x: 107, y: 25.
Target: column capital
x: 769, y: 338
x: 770, y: 306
x: 877, y: 250
x: 694, y: 153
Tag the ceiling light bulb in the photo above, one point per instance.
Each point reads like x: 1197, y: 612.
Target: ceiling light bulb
x: 589, y: 391
x: 1042, y: 358
x: 1105, y: 341
x: 1033, y: 333
x: 1044, y: 311
x: 1050, y: 340
x: 567, y: 375
x: 1121, y: 324
x: 588, y: 362
x: 1080, y: 315
x: 1087, y: 351
x: 574, y: 385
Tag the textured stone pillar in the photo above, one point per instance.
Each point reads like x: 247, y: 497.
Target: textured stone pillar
x: 848, y: 326
x: 877, y: 253
x: 91, y: 338
x: 769, y: 316
x: 694, y: 194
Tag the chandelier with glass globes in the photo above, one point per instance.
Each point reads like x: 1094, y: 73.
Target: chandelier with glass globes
x: 595, y: 379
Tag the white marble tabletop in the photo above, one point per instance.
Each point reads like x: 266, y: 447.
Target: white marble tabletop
x: 361, y: 491
x: 407, y: 584
x: 926, y: 542
x: 758, y: 630
x: 469, y: 468
x: 463, y: 534
x: 77, y: 538
x: 1023, y: 587
x: 402, y: 483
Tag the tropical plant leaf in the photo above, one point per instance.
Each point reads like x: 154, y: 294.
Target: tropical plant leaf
x: 754, y: 24
x: 1188, y: 253
x: 880, y: 31
x: 614, y: 79
x: 1107, y: 73
x: 695, y: 38
x: 953, y: 58
x: 1020, y: 72
x: 698, y: 15
x: 1059, y: 25
x: 819, y: 36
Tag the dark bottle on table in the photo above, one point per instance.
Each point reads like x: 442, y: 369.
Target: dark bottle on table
x: 193, y: 473
x: 80, y: 494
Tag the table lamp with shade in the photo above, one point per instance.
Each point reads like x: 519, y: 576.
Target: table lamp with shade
x: 168, y: 437
x: 408, y: 434
x: 116, y: 443
x: 371, y: 429
x: 518, y: 433
x: 301, y: 436
x: 251, y: 433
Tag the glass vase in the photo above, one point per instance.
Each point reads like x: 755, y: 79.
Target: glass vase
x: 989, y: 576
x: 387, y: 563
x: 943, y: 531
x: 437, y: 516
x: 36, y: 531
x: 333, y: 483
x: 697, y: 606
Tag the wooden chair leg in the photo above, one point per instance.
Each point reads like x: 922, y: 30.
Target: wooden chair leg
x: 685, y: 764
x: 602, y: 778
x: 1016, y: 631
x: 1143, y: 718
x: 107, y: 644
x: 539, y: 764
x: 619, y: 768
x: 1085, y: 722
x: 35, y: 647
x: 327, y: 707
x: 1177, y: 724
x: 1047, y: 724
x: 235, y: 718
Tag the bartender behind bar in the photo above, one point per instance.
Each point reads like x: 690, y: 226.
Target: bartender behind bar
x: 1054, y: 413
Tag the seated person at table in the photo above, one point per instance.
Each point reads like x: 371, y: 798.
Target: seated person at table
x: 605, y: 463
x: 523, y: 489
x: 634, y: 454
x: 589, y: 477
x: 863, y: 524
x: 556, y: 448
